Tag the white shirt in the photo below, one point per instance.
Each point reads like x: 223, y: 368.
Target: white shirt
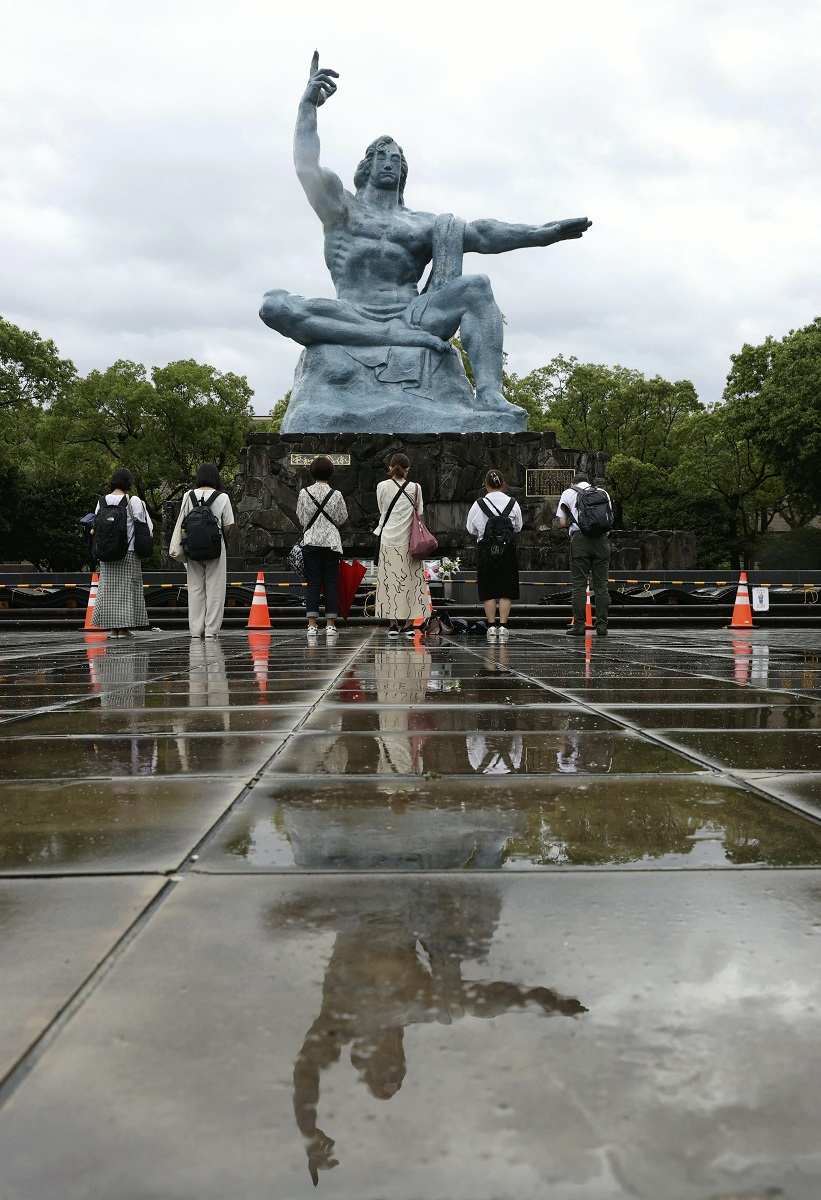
x: 571, y: 500
x: 323, y: 533
x: 221, y: 508
x: 477, y: 521
x: 397, y: 530
x: 135, y: 508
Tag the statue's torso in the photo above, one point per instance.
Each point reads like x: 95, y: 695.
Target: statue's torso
x: 378, y: 255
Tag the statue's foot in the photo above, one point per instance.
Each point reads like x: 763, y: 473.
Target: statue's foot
x: 400, y: 334
x: 492, y: 400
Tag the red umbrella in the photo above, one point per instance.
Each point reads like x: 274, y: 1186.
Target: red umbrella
x: 351, y: 575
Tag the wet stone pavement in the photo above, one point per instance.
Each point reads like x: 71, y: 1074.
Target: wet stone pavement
x: 406, y: 922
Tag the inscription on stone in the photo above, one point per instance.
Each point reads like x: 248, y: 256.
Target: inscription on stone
x: 339, y: 460
x: 547, y: 481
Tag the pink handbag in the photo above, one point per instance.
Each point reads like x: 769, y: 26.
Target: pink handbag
x: 422, y: 543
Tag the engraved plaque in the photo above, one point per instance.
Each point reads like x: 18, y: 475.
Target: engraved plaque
x: 547, y: 481
x: 305, y: 460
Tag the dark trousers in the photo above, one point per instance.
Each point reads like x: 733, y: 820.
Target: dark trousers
x: 322, y: 575
x: 590, y: 559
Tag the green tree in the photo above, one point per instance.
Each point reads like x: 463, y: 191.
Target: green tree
x: 774, y: 390
x: 161, y: 428
x: 719, y: 461
x: 276, y: 415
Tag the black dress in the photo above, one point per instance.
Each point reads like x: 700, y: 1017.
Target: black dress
x: 497, y: 576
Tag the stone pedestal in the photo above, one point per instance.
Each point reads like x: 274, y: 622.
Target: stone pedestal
x: 399, y: 389
x: 450, y: 468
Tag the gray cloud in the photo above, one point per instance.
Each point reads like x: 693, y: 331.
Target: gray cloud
x: 147, y: 197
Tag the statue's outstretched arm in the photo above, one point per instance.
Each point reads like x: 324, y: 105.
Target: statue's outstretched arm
x: 323, y: 188
x: 495, y: 237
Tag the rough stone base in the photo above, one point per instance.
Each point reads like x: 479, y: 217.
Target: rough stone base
x: 388, y: 390
x: 450, y: 467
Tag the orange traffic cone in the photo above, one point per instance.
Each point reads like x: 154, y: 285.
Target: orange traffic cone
x: 259, y: 617
x: 742, y: 613
x: 260, y: 644
x: 92, y: 599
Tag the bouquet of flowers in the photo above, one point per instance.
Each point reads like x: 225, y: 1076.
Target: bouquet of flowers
x: 448, y: 567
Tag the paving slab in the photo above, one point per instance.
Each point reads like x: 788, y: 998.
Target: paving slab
x: 722, y: 716
x: 442, y: 1037
x: 494, y: 822
x: 107, y: 825
x: 90, y: 757
x: 418, y: 751
x: 759, y: 749
x: 75, y: 722
x: 53, y: 932
x: 361, y: 718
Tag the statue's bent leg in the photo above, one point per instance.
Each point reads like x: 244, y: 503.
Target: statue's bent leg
x: 337, y: 323
x: 468, y: 304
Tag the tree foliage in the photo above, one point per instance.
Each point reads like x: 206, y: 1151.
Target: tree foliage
x: 61, y: 436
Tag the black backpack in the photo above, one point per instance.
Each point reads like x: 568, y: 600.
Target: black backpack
x: 594, y: 512
x: 201, y: 531
x: 499, y: 532
x: 110, y: 539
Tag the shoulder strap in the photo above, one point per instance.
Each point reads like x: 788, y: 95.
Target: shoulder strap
x: 211, y: 498
x: 490, y: 510
x: 509, y: 506
x: 320, y: 509
x: 399, y: 491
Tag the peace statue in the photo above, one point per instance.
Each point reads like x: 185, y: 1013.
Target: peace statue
x: 378, y: 358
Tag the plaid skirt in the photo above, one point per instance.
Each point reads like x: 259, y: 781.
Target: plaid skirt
x: 120, y: 602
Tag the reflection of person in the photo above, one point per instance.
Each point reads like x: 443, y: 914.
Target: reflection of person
x: 589, y: 557
x: 402, y: 592
x: 320, y: 511
x: 121, y: 678
x: 396, y: 962
x: 495, y: 753
x: 206, y: 578
x: 497, y: 564
x: 207, y: 680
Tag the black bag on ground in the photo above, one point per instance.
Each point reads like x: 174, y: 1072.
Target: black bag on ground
x: 201, y: 531
x: 110, y: 539
x: 499, y: 532
x: 594, y: 512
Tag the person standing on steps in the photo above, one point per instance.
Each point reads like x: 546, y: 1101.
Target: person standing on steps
x: 587, y: 512
x: 494, y: 521
x: 401, y: 590
x: 123, y: 532
x: 320, y: 510
x: 199, y: 539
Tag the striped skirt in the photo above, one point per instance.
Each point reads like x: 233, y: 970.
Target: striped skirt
x: 120, y: 601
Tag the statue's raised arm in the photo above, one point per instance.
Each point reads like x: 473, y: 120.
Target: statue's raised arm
x: 323, y: 188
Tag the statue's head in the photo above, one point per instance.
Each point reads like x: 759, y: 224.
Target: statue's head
x: 384, y: 166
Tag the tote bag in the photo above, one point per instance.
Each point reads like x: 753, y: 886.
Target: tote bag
x: 422, y: 543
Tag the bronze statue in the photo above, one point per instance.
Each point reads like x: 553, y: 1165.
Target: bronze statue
x: 382, y: 333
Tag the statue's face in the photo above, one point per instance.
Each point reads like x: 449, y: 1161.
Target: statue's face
x: 386, y: 168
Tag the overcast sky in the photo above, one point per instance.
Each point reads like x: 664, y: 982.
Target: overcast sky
x: 148, y: 199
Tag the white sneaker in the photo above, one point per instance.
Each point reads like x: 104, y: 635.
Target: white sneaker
x: 331, y: 632
x: 492, y: 633
x: 504, y: 633
x: 312, y: 632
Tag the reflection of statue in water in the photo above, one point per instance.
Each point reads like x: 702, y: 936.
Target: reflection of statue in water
x: 381, y: 340
x: 397, y: 961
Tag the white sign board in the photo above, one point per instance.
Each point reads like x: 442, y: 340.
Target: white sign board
x: 761, y: 599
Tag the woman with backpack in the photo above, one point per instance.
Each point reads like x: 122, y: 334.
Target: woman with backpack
x: 402, y: 593
x: 320, y: 510
x: 199, y: 539
x: 494, y: 521
x: 123, y: 533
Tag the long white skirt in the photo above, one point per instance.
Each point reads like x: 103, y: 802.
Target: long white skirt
x: 402, y: 593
